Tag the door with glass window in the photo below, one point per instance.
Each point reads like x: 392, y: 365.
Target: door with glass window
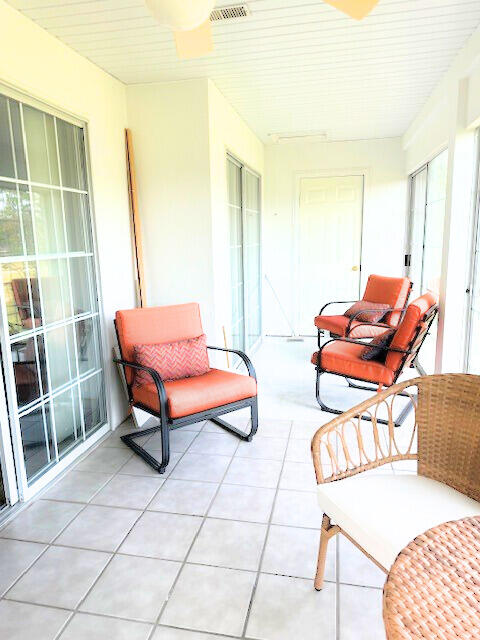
x: 423, y: 260
x: 50, y: 323
x: 245, y: 254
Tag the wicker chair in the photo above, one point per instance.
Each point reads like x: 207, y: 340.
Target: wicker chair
x: 382, y: 511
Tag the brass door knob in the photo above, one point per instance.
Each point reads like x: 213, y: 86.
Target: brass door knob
x: 355, y: 268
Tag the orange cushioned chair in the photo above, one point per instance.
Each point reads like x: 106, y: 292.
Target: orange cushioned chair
x: 343, y: 356
x: 188, y: 400
x: 392, y: 292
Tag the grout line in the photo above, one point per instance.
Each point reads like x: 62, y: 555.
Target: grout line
x: 204, y: 517
x: 269, y: 524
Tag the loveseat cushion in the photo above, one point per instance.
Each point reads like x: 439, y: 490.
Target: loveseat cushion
x: 192, y: 395
x: 384, y: 512
x: 345, y: 358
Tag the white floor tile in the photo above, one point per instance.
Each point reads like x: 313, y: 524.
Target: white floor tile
x: 223, y: 444
x: 184, y: 496
x: 168, y: 633
x: 138, y: 467
x: 162, y: 535
x: 134, y: 492
x: 99, y: 528
x: 60, y: 578
x: 293, y: 552
x: 201, y: 467
x: 85, y: 626
x: 78, y: 486
x: 271, y: 428
x: 263, y: 448
x: 15, y: 557
x: 361, y: 613
x: 210, y: 599
x: 243, y: 503
x: 231, y: 544
x: 20, y: 621
x: 297, y: 509
x: 180, y: 440
x: 133, y: 588
x: 42, y: 521
x: 355, y: 568
x: 286, y: 608
x: 105, y: 460
x: 256, y: 473
x: 299, y: 476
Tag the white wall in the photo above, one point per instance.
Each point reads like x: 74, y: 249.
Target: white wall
x: 448, y: 119
x: 181, y: 133
x: 227, y: 132
x: 382, y: 162
x: 36, y: 63
x: 169, y: 124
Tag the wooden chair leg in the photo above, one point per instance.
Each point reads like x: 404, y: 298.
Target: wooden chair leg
x: 327, y: 532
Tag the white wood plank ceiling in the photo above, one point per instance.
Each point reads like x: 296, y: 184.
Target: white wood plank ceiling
x: 292, y: 65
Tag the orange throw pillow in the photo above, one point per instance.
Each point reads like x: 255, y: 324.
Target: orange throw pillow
x: 376, y: 311
x: 172, y: 360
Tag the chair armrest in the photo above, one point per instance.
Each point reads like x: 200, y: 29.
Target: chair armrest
x: 162, y: 394
x: 370, y: 324
x: 335, y: 302
x: 346, y: 445
x: 243, y: 356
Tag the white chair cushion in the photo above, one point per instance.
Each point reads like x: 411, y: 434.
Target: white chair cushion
x: 384, y: 512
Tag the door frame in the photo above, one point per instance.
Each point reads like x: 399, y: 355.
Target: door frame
x: 474, y: 251
x: 363, y: 172
x: 244, y: 168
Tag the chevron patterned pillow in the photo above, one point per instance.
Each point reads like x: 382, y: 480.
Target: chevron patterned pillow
x: 172, y: 360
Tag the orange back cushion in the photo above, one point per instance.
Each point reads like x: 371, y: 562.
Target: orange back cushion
x: 391, y: 291
x: 408, y: 327
x: 154, y: 325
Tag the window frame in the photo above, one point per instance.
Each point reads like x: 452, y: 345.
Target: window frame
x: 10, y: 429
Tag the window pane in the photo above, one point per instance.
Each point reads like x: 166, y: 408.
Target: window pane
x: 68, y: 427
x: 76, y: 220
x: 25, y: 370
x: 41, y: 146
x: 10, y: 227
x: 7, y: 167
x: 88, y: 345
x: 47, y: 209
x: 37, y: 441
x: 72, y: 160
x: 81, y: 274
x: 93, y: 403
x: 61, y: 356
x: 55, y: 290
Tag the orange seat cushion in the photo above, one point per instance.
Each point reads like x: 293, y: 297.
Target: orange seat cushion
x: 338, y: 326
x: 345, y: 358
x: 156, y: 325
x: 391, y: 291
x: 200, y: 393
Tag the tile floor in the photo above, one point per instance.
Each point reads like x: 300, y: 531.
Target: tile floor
x: 222, y: 546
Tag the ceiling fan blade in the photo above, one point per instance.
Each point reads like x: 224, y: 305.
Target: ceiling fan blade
x: 357, y: 9
x: 195, y: 43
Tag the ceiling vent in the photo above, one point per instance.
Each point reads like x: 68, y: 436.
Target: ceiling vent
x: 234, y: 12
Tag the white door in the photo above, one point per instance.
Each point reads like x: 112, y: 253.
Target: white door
x: 329, y: 246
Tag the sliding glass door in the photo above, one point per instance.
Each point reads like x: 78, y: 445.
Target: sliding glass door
x: 244, y: 207
x: 473, y: 334
x: 50, y: 324
x: 428, y: 188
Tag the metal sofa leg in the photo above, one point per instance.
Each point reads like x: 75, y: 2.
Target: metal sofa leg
x: 327, y: 532
x: 129, y: 440
x: 241, y: 434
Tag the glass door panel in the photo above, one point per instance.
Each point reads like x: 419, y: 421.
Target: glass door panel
x: 245, y: 244
x: 427, y: 215
x: 49, y: 300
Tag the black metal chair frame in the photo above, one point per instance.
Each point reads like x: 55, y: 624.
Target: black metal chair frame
x: 427, y: 319
x: 167, y: 424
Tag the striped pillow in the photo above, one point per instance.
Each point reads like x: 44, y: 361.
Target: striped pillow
x: 172, y: 360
